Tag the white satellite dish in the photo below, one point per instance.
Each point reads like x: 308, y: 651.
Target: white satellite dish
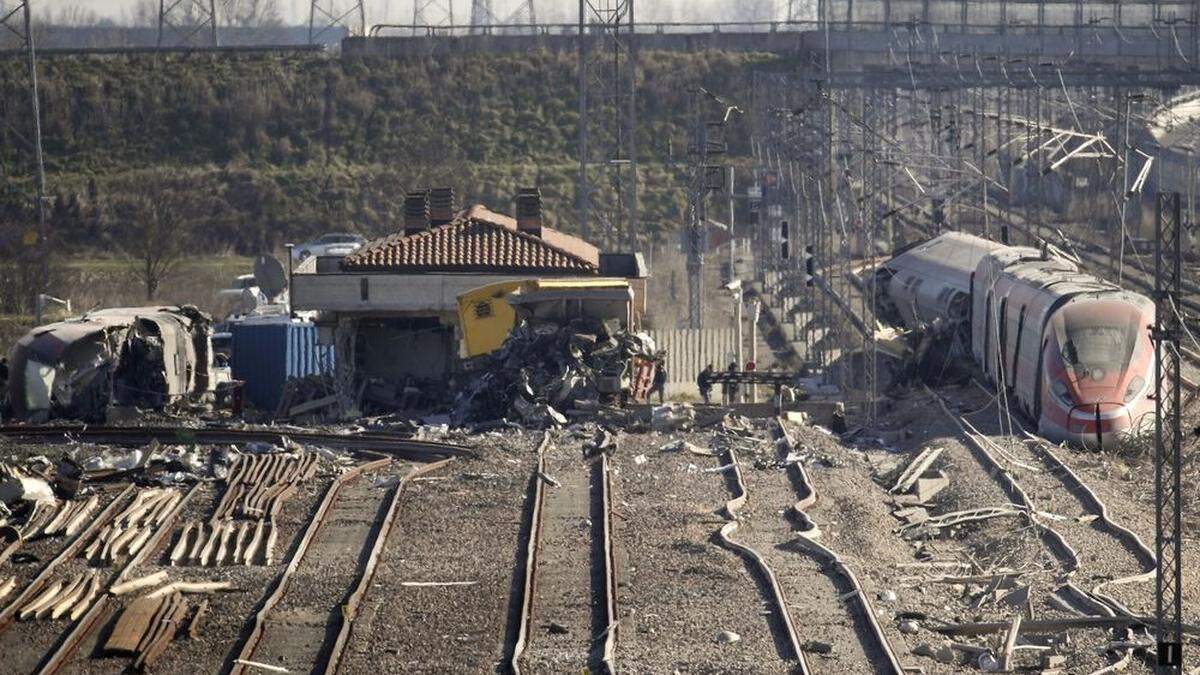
x: 270, y: 276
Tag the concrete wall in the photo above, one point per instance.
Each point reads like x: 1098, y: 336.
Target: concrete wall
x: 421, y: 46
x: 400, y: 293
x: 852, y: 46
x: 689, y: 350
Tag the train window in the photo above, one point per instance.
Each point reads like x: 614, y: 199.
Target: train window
x: 1002, y: 322
x: 1017, y: 353
x: 971, y: 302
x: 987, y: 333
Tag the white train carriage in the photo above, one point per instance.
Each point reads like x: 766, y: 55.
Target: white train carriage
x: 1071, y: 350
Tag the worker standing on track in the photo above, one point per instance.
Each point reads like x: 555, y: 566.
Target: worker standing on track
x: 731, y: 388
x: 704, y: 382
x: 660, y: 378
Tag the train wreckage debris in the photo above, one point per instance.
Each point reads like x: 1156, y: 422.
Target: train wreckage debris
x: 542, y: 370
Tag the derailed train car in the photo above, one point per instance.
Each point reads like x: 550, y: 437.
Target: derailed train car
x: 146, y: 357
x: 1069, y: 349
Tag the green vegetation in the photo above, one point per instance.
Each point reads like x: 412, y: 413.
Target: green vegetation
x: 280, y: 148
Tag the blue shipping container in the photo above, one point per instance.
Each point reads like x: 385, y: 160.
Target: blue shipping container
x: 266, y: 354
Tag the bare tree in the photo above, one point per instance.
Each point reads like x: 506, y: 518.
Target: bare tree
x: 155, y: 229
x: 73, y: 15
x: 250, y: 13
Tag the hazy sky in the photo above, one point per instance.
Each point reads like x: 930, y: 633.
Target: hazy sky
x: 384, y: 11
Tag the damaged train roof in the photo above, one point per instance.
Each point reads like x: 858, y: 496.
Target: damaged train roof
x: 139, y: 356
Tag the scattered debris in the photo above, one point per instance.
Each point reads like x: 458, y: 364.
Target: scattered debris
x: 136, y: 584
x: 728, y: 637
x: 816, y: 647
x: 544, y: 368
x: 672, y: 417
x: 191, y: 587
x: 262, y: 666
x: 15, y: 486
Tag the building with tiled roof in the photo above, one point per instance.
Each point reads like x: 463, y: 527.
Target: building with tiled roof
x: 391, y: 307
x: 477, y: 240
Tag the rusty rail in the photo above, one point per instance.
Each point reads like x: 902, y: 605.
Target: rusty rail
x: 349, y: 609
x: 69, y: 551
x: 380, y: 442
x: 530, y: 566
x: 828, y: 556
x: 608, y: 651
x: 282, y: 581
x: 725, y: 534
x: 100, y: 609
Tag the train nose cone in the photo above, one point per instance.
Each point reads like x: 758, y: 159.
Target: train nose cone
x: 1097, y: 423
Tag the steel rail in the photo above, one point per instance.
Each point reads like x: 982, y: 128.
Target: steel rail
x: 255, y: 635
x: 808, y: 539
x: 348, y: 610
x: 608, y: 650
x: 528, y: 586
x: 1097, y: 601
x: 725, y: 534
x: 389, y: 443
x: 99, y: 609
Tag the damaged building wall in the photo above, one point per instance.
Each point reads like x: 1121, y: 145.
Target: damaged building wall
x: 397, y: 348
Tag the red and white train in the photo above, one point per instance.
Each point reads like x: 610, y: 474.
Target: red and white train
x: 1069, y: 349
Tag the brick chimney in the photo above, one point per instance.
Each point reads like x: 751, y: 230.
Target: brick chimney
x: 416, y: 212
x: 441, y: 205
x: 529, y: 211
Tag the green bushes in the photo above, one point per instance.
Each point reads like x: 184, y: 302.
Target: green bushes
x: 293, y: 145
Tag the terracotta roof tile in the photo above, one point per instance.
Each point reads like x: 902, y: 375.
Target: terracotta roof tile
x: 476, y: 240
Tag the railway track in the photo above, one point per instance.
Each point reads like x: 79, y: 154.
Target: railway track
x: 365, y: 442
x: 1075, y: 525
x: 305, y: 622
x: 567, y: 616
x: 836, y: 631
x: 86, y: 619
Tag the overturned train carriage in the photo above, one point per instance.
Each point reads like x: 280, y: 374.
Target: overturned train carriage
x: 1070, y: 350
x: 146, y: 357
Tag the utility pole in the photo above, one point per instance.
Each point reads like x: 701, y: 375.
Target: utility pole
x: 19, y: 21
x: 326, y: 15
x: 483, y: 17
x: 434, y: 12
x: 187, y: 23
x: 708, y: 141
x: 606, y: 189
x: 1168, y: 436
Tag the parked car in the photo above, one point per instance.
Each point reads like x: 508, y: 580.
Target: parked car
x: 336, y: 243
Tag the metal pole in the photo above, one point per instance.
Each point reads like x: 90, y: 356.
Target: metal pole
x: 630, y: 132
x: 732, y: 238
x: 582, y: 197
x: 755, y: 308
x: 35, y: 103
x: 1168, y: 437
x: 1124, y: 195
x: 737, y: 310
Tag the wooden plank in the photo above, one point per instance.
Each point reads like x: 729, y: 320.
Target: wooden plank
x: 133, y: 625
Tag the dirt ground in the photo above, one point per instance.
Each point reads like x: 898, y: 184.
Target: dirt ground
x: 442, y: 598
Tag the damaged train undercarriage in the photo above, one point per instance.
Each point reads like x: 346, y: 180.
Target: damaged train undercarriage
x: 80, y: 368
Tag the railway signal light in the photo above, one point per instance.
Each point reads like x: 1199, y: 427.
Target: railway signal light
x: 784, y: 249
x: 810, y: 266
